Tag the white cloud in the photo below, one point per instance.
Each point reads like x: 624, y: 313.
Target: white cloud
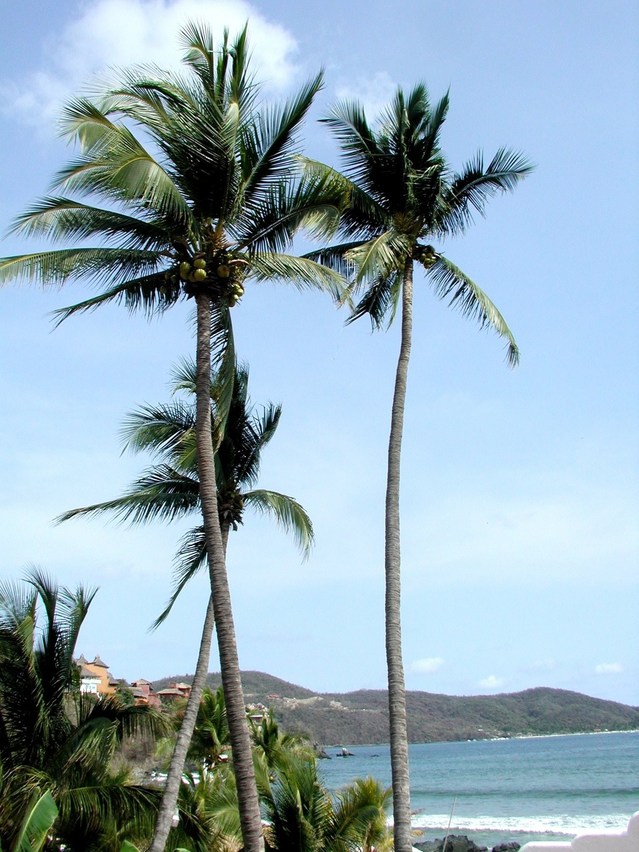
x: 427, y: 665
x: 374, y: 93
x: 116, y: 33
x: 491, y: 682
x: 608, y: 668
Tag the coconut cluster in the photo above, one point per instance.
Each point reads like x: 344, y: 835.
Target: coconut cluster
x: 219, y: 276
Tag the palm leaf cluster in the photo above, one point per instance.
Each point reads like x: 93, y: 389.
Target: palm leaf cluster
x: 301, y: 814
x: 53, y: 738
x: 186, y: 167
x: 169, y: 488
x: 404, y: 195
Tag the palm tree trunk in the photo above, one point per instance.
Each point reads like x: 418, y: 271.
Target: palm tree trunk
x: 183, y: 741
x: 248, y: 801
x: 395, y: 667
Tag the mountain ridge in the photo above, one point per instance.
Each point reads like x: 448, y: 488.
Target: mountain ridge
x: 361, y: 716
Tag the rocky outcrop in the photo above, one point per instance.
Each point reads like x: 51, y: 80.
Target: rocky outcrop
x: 462, y: 843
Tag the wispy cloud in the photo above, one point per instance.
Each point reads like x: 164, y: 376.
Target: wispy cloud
x: 374, y: 93
x: 116, y: 33
x: 427, y: 665
x: 608, y: 668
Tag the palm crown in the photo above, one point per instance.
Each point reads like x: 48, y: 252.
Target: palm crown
x: 196, y: 179
x: 402, y: 193
x: 170, y: 488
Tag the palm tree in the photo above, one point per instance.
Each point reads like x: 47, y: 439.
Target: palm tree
x: 403, y: 195
x: 194, y: 176
x: 170, y: 489
x: 55, y: 739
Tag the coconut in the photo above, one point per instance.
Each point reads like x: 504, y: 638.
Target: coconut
x: 199, y: 274
x: 199, y: 263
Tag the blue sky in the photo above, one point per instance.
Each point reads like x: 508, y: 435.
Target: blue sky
x: 520, y: 488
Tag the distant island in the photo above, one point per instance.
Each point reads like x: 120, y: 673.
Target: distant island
x: 361, y: 717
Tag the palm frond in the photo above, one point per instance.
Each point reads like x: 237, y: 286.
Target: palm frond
x: 189, y: 559
x: 380, y: 301
x: 299, y: 271
x: 269, y: 143
x: 37, y: 823
x: 161, y: 493
x: 381, y: 256
x: 469, y: 190
x: 288, y: 513
x: 452, y: 284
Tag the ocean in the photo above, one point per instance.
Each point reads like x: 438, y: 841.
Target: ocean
x: 495, y: 791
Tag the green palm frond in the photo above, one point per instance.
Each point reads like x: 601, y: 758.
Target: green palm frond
x: 288, y: 513
x: 61, y: 218
x: 159, y: 429
x: 380, y: 301
x: 299, y: 271
x: 381, y: 256
x: 189, y: 559
x: 57, y: 267
x: 161, y: 493
x: 452, y: 284
x: 37, y: 823
x: 271, y: 141
x: 470, y: 190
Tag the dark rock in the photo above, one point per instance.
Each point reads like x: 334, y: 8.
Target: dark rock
x: 507, y: 847
x: 452, y: 843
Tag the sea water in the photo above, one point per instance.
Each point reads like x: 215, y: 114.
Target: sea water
x: 522, y: 789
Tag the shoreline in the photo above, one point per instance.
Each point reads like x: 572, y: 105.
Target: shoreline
x: 484, y: 739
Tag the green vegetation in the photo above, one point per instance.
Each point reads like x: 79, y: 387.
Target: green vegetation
x: 54, y: 739
x: 362, y: 716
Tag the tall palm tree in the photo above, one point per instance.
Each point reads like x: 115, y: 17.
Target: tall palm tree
x: 194, y: 176
x: 55, y: 739
x: 170, y: 489
x: 404, y: 196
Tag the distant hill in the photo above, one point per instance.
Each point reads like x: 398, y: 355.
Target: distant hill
x: 362, y: 716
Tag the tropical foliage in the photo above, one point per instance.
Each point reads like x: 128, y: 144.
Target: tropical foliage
x: 170, y: 489
x: 56, y: 741
x: 404, y: 196
x: 302, y: 816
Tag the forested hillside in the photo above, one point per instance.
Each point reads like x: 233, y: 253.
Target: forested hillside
x: 361, y: 717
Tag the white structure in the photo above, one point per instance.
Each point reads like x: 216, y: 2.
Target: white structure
x: 610, y: 841
x: 89, y: 681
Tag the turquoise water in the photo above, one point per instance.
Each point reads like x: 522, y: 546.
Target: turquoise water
x: 541, y: 788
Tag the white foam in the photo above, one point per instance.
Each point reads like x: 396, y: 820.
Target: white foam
x: 551, y: 824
